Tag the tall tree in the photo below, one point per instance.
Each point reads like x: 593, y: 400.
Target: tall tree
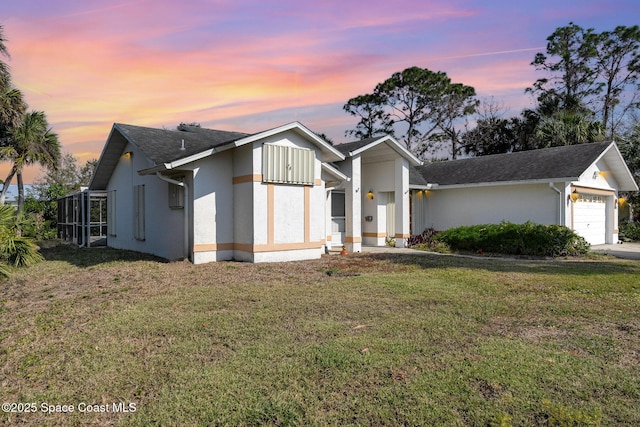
x: 33, y: 142
x: 374, y: 120
x: 67, y: 178
x: 569, y: 63
x: 618, y: 67
x: 456, y: 102
x: 419, y: 106
x: 589, y: 73
x: 12, y: 105
x: 4, y: 69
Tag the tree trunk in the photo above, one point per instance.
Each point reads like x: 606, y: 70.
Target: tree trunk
x: 20, y: 193
x: 7, y: 182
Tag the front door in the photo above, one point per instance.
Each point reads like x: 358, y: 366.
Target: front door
x: 391, y: 214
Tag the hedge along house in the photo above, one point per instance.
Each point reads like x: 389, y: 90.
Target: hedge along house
x: 212, y: 195
x: 576, y: 186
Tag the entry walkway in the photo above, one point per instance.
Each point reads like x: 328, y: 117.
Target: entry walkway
x: 624, y: 250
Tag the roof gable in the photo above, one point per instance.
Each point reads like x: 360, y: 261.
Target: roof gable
x: 565, y: 163
x: 160, y: 146
x: 350, y: 149
x: 329, y: 152
x: 167, y: 149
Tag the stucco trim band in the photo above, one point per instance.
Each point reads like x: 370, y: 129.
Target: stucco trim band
x: 247, y: 178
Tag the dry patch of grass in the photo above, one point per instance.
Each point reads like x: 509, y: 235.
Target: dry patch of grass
x: 353, y: 340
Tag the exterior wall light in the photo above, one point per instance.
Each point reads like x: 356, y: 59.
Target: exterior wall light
x: 127, y: 154
x: 370, y: 195
x: 575, y: 196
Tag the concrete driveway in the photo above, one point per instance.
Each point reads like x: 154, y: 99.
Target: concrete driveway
x: 624, y: 250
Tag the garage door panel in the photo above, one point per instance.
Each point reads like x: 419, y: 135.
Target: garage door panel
x: 589, y: 218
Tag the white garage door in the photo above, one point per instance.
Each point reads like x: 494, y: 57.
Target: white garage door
x: 590, y: 218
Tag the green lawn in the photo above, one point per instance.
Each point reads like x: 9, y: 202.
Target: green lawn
x: 346, y: 340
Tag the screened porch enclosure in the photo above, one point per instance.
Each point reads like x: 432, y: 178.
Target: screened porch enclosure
x: 82, y: 218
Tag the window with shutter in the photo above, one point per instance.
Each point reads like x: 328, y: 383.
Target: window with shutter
x: 287, y: 165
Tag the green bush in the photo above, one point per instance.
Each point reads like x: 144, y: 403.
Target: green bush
x: 516, y: 239
x: 629, y: 231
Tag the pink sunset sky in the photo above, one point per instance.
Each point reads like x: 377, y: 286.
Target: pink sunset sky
x: 252, y: 65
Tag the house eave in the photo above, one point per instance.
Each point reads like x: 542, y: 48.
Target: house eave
x: 334, y: 172
x: 423, y: 187
x: 503, y: 183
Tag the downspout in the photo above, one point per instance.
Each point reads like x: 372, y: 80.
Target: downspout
x: 186, y: 209
x: 560, y: 200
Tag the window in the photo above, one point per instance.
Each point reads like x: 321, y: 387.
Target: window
x: 591, y: 198
x: 288, y: 165
x: 138, y: 212
x: 176, y: 196
x: 111, y: 213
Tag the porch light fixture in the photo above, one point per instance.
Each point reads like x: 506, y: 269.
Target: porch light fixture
x: 574, y: 196
x: 370, y: 195
x: 127, y: 154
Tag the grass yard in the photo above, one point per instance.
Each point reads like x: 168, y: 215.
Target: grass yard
x: 345, y: 340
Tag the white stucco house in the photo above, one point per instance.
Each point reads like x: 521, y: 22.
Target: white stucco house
x: 286, y: 194
x: 277, y: 195
x: 576, y: 186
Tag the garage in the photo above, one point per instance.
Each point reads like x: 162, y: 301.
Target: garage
x: 572, y: 185
x: 590, y: 218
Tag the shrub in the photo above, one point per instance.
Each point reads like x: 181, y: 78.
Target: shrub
x: 516, y: 239
x: 629, y: 231
x: 15, y: 249
x: 427, y: 241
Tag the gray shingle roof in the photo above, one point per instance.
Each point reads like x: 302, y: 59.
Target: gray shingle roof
x: 164, y: 146
x: 352, y: 146
x: 415, y: 178
x: 548, y: 163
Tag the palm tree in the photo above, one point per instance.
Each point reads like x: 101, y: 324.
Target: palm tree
x: 4, y: 71
x: 12, y: 105
x: 565, y: 128
x: 15, y: 250
x: 12, y: 110
x: 32, y: 142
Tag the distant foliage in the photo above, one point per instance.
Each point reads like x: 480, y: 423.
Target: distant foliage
x: 516, y: 239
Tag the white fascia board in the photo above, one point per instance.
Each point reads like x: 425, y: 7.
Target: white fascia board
x: 334, y: 172
x: 423, y: 187
x: 623, y: 169
x: 190, y: 159
x: 108, y: 150
x: 395, y: 145
x: 502, y: 183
